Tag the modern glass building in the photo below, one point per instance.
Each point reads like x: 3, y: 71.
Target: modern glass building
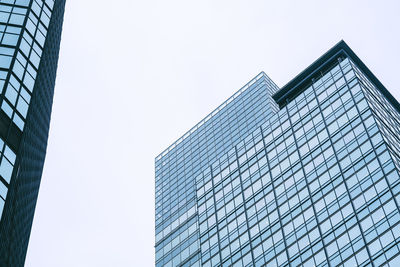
x: 304, y: 175
x: 30, y: 32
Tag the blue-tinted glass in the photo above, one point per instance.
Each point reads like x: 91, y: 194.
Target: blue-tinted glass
x: 20, y: 132
x: 3, y: 190
x: 318, y: 176
x: 6, y: 169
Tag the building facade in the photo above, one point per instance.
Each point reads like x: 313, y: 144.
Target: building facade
x: 30, y: 33
x: 313, y: 182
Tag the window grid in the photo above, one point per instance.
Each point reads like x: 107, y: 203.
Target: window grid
x: 313, y: 184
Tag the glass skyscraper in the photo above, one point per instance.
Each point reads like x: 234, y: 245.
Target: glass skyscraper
x: 30, y: 32
x: 304, y: 175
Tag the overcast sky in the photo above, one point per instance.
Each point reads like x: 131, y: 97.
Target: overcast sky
x: 134, y: 76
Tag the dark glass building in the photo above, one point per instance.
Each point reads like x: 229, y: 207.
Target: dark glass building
x: 30, y: 32
x: 304, y: 175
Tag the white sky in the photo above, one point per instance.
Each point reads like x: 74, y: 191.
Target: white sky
x: 134, y: 76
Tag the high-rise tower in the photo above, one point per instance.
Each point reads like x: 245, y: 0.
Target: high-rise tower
x: 30, y: 32
x: 313, y: 181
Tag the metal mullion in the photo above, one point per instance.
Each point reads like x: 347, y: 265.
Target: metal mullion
x: 307, y: 184
x: 275, y: 197
x: 215, y: 213
x: 244, y: 204
x: 340, y: 168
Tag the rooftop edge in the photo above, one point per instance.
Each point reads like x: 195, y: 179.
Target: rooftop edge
x: 211, y: 114
x: 295, y: 86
